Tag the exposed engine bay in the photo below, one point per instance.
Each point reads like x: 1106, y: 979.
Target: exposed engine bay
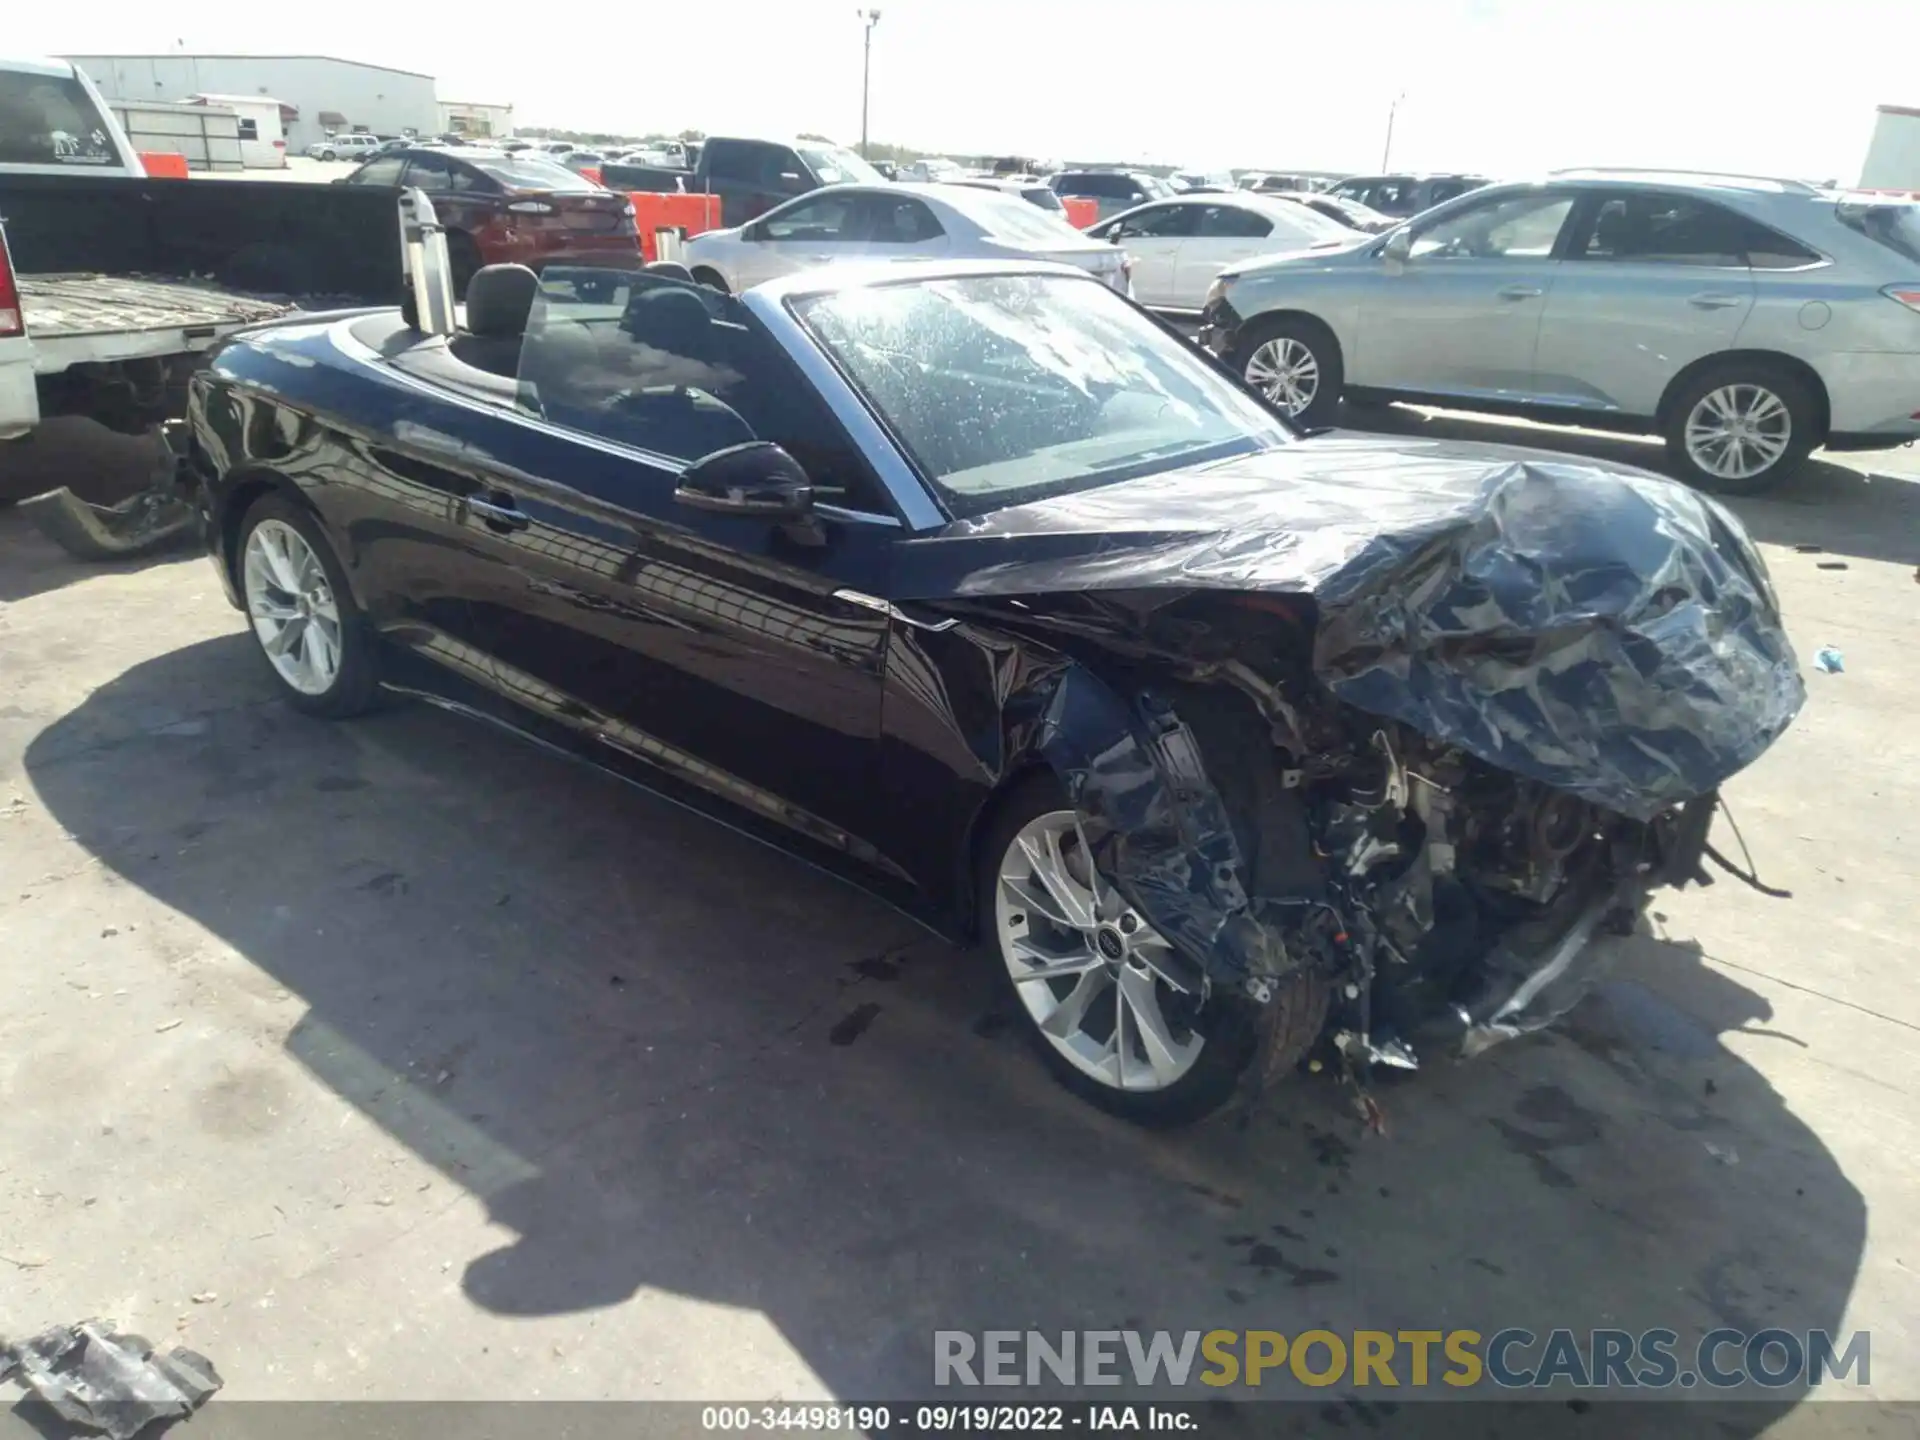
x: 1415, y: 897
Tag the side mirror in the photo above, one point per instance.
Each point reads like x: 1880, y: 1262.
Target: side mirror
x: 1399, y: 246
x: 756, y: 479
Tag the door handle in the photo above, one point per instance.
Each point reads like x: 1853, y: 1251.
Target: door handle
x: 1710, y: 300
x: 1521, y: 292
x: 505, y: 517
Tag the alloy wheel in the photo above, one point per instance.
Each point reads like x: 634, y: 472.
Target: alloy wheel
x: 1738, y: 431
x: 1286, y: 372
x: 1088, y: 969
x: 292, y: 606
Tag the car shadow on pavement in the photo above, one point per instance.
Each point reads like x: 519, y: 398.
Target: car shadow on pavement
x: 667, y: 1058
x: 1855, y: 509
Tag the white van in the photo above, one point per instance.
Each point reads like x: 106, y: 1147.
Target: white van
x: 263, y: 143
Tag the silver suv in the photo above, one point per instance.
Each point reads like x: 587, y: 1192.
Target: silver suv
x: 1746, y: 321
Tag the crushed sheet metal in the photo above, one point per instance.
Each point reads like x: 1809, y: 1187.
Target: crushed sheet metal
x: 1529, y: 984
x: 1599, y: 629
x: 1156, y: 826
x: 113, y: 1383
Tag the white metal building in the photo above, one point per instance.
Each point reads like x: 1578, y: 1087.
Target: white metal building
x: 318, y: 94
x: 1893, y: 155
x: 463, y: 117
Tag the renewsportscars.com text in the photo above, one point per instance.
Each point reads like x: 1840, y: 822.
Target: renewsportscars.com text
x: 1460, y: 1359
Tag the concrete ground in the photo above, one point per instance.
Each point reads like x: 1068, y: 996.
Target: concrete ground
x: 397, y: 1060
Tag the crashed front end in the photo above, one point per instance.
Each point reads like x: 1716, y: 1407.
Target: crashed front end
x: 1418, y: 775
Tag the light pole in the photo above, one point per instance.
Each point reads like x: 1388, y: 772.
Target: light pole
x: 1386, y: 153
x: 872, y: 17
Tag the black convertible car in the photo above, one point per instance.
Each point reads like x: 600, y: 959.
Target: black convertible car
x: 976, y: 584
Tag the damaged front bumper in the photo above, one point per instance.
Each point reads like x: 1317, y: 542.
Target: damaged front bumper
x: 153, y: 518
x: 1159, y: 830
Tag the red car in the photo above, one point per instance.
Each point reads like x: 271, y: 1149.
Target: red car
x: 501, y: 208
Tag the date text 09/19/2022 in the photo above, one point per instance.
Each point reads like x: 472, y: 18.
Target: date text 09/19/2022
x: 946, y: 1419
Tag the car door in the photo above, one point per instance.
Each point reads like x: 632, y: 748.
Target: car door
x: 1653, y: 281
x: 813, y: 230
x: 714, y: 648
x: 1152, y: 237
x: 1460, y: 316
x: 1221, y: 235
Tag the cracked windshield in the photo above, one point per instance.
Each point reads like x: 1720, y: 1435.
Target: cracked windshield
x: 1010, y: 388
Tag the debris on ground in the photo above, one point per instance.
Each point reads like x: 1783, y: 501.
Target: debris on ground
x: 1830, y: 565
x: 1830, y: 660
x: 101, y: 1380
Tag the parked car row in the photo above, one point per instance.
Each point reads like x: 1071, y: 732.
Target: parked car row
x: 894, y: 221
x: 1673, y: 305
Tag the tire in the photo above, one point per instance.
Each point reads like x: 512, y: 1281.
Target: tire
x: 353, y: 685
x: 1272, y: 346
x: 329, y: 155
x: 463, y: 256
x: 1227, y: 1027
x: 1781, y: 417
x: 712, y: 279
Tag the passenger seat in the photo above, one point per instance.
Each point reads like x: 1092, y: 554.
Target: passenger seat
x: 499, y: 299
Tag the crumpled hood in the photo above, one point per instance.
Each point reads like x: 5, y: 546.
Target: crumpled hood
x: 1594, y: 627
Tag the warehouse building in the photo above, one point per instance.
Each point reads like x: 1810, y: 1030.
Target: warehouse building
x: 317, y: 93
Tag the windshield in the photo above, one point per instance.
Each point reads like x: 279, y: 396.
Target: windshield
x: 835, y: 166
x: 1895, y: 226
x: 526, y: 172
x: 1005, y: 389
x: 1043, y: 197
x: 49, y: 120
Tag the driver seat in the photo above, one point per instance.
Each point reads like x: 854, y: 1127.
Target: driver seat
x: 499, y: 299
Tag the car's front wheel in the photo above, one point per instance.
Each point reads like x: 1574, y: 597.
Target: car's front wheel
x: 1295, y: 363
x: 711, y: 278
x: 1087, y: 978
x: 315, y: 640
x: 1740, y: 427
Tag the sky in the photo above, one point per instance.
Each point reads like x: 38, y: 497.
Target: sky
x: 1497, y: 86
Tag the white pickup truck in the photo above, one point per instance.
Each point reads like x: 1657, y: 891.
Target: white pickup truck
x: 89, y: 343
x: 116, y: 348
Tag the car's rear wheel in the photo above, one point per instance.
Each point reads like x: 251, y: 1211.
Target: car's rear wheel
x: 1295, y: 363
x: 1740, y: 427
x: 317, y: 644
x: 1086, y: 977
